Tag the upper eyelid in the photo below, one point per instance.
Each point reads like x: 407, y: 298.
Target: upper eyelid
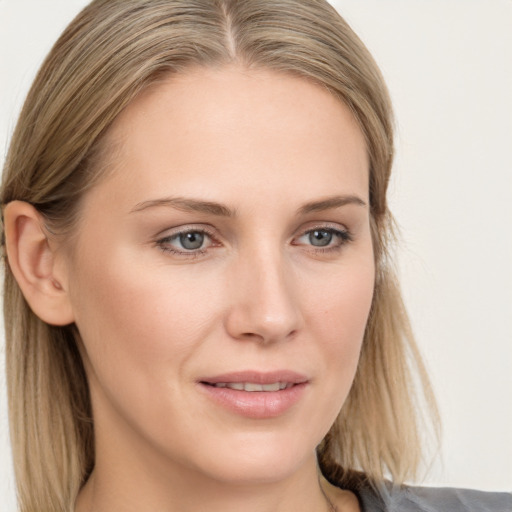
x: 210, y: 230
x: 324, y: 228
x: 187, y: 228
x: 327, y: 226
x: 343, y: 233
x: 163, y: 242
x: 213, y: 232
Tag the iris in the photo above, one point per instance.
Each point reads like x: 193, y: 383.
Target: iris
x: 320, y: 237
x: 191, y: 240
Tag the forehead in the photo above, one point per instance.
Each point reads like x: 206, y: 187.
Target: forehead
x: 226, y: 130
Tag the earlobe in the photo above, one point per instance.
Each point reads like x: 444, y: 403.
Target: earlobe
x: 33, y: 263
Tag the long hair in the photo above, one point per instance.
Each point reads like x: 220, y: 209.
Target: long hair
x: 112, y: 51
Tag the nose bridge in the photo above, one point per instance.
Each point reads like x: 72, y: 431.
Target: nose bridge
x: 264, y: 305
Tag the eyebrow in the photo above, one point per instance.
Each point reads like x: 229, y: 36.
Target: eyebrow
x: 187, y: 205
x: 330, y: 203
x: 213, y: 208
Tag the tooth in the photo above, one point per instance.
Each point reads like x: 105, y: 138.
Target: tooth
x: 249, y: 386
x: 253, y: 387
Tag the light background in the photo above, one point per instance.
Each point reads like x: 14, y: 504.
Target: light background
x: 448, y: 64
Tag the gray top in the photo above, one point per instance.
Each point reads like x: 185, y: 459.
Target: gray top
x: 432, y: 499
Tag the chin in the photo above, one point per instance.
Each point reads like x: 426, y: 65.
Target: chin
x: 260, y: 458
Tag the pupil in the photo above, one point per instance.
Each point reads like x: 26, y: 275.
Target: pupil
x: 192, y: 240
x: 320, y: 238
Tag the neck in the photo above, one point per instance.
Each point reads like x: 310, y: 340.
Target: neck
x: 305, y: 491
x: 133, y: 475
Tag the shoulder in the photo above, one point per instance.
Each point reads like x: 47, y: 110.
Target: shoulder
x: 433, y: 499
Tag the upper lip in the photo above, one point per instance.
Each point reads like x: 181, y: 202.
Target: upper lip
x: 258, y: 377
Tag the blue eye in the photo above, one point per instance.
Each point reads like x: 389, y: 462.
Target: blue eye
x: 320, y: 237
x: 192, y: 240
x: 324, y: 239
x: 187, y: 243
x: 198, y: 242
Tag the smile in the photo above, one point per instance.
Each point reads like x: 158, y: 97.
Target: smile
x: 252, y: 386
x: 255, y: 395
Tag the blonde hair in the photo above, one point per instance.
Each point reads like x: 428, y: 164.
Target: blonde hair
x: 111, y: 52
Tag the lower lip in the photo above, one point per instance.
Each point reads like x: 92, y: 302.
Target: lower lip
x: 255, y: 404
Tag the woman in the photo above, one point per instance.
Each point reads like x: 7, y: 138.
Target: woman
x: 200, y: 307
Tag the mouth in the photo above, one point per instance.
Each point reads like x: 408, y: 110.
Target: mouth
x: 256, y: 395
x: 252, y: 387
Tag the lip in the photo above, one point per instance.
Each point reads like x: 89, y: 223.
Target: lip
x: 258, y: 377
x: 255, y: 404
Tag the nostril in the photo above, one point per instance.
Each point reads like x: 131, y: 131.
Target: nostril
x: 265, y: 310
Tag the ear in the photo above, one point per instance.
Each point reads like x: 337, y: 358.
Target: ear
x: 36, y: 266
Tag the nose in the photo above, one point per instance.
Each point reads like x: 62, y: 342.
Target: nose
x: 264, y: 305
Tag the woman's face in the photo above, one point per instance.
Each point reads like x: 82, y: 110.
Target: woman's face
x: 223, y: 274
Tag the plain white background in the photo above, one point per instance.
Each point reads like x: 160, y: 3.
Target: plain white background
x: 448, y: 64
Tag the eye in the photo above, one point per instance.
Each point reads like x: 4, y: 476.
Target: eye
x: 190, y: 242
x: 320, y: 237
x: 324, y: 238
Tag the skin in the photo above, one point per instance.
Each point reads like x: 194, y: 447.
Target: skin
x: 257, y: 295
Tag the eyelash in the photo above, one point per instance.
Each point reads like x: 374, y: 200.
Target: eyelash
x: 164, y: 243
x: 344, y: 237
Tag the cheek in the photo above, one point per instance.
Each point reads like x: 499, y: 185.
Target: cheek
x: 335, y: 320
x: 136, y: 322
x: 140, y: 331
x: 128, y: 285
x: 338, y: 314
x: 341, y: 307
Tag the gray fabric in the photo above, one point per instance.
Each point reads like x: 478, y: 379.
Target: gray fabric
x: 431, y: 499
